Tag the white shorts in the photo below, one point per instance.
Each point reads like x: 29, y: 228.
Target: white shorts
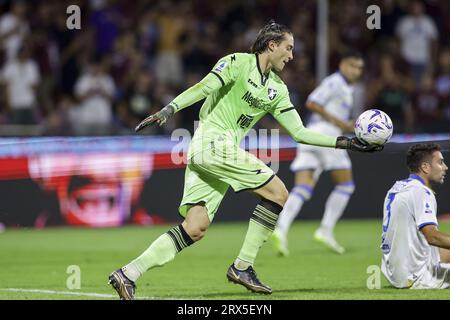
x: 320, y: 159
x: 436, y: 277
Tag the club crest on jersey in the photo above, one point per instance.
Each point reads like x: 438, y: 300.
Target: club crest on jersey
x: 271, y: 93
x: 221, y: 66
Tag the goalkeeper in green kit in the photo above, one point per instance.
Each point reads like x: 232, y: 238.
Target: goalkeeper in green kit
x: 240, y: 89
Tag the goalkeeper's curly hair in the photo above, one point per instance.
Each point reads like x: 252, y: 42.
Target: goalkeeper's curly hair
x: 272, y: 31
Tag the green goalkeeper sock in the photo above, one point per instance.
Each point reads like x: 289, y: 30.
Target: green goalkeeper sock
x: 261, y: 226
x: 160, y: 252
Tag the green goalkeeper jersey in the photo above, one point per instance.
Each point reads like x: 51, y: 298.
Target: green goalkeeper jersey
x: 238, y: 95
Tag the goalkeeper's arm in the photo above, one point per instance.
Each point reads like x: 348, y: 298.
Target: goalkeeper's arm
x: 291, y: 121
x: 197, y: 92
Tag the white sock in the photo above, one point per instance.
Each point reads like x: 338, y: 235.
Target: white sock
x: 297, y: 197
x: 241, y: 264
x: 335, y: 205
x: 131, y: 272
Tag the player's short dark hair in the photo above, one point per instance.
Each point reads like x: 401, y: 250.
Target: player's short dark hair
x: 420, y: 153
x: 272, y: 31
x: 351, y: 53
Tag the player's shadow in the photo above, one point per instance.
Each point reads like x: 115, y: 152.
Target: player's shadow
x: 279, y: 293
x: 224, y: 294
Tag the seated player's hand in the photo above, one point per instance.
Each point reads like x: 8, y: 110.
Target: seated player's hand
x: 159, y: 117
x: 355, y: 145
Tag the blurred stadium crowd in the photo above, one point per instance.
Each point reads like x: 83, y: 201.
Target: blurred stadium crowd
x: 130, y: 58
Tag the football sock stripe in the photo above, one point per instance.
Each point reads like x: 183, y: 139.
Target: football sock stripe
x: 180, y: 237
x: 261, y: 226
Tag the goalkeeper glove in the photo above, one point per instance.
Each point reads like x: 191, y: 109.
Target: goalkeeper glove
x: 355, y: 145
x: 159, y: 117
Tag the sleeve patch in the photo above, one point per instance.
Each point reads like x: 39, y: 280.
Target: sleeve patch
x: 222, y: 64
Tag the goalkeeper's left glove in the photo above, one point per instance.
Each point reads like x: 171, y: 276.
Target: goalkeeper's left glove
x: 355, y: 145
x: 159, y: 117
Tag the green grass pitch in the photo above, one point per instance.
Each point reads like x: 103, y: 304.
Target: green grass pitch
x: 38, y: 260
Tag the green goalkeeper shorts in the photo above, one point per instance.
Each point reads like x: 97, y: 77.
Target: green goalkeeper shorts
x: 213, y: 166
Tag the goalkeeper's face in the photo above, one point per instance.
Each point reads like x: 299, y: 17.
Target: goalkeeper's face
x: 281, y: 53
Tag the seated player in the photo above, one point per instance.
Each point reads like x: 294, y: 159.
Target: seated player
x: 415, y: 252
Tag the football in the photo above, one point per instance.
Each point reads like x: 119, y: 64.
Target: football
x: 374, y: 127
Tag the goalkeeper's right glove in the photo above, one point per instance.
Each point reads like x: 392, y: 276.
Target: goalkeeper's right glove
x: 160, y: 117
x: 355, y: 145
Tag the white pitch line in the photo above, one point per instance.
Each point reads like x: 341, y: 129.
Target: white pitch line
x: 85, y: 294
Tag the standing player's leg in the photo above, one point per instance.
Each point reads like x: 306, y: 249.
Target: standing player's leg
x: 262, y: 222
x: 241, y: 170
x: 334, y: 208
x: 161, y: 251
x: 305, y: 182
x: 202, y: 195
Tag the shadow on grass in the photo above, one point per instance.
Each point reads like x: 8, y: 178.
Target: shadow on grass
x: 284, y: 293
x: 386, y: 292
